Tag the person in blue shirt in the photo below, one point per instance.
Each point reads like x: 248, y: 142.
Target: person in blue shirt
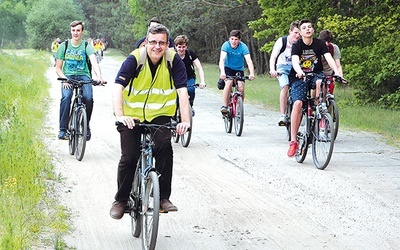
x: 233, y: 54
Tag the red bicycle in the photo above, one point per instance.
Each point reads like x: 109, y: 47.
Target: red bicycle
x: 235, y: 106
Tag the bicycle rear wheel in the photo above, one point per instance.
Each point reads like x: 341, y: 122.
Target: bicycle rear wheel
x: 333, y: 110
x: 151, y: 211
x: 323, y: 141
x: 185, y: 138
x: 228, y: 120
x: 81, y: 133
x: 71, y: 132
x: 239, y: 115
x: 302, y: 139
x: 136, y: 204
x: 288, y: 112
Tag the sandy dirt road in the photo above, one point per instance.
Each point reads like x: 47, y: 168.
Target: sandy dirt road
x: 235, y: 192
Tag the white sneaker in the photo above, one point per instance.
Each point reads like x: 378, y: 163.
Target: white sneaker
x: 282, y: 120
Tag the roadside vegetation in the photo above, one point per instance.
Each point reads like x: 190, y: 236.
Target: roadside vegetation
x: 29, y: 212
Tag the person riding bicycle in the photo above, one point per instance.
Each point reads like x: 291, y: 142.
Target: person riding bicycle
x: 282, y: 57
x: 307, y: 55
x: 190, y: 58
x: 72, y: 63
x: 54, y: 47
x: 149, y: 94
x: 231, y: 62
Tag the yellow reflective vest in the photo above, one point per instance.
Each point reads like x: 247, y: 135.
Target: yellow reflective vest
x: 150, y: 97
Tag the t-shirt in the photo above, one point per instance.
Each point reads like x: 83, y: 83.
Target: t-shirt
x: 336, y: 55
x: 285, y: 58
x: 188, y: 61
x: 75, y: 58
x: 235, y: 56
x: 310, y: 56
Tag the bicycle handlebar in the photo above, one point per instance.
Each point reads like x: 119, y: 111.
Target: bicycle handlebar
x: 170, y: 125
x: 336, y: 78
x: 81, y: 82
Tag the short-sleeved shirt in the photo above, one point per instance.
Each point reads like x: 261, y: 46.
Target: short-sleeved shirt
x: 75, y: 62
x: 336, y: 55
x: 190, y: 56
x: 310, y: 56
x: 235, y: 56
x: 128, y: 71
x: 284, y: 58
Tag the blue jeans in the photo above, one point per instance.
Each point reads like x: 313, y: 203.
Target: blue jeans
x: 191, y: 90
x: 66, y: 96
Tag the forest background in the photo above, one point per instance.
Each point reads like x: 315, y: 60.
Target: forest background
x: 365, y: 30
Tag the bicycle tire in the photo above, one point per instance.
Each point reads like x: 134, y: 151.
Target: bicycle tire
x: 322, y: 142
x: 177, y: 118
x: 151, y: 211
x: 239, y: 115
x: 228, y: 120
x: 302, y: 139
x: 334, y: 112
x: 71, y: 132
x: 81, y: 133
x: 185, y: 138
x: 136, y: 218
x: 288, y: 112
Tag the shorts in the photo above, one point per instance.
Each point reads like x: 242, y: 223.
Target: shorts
x: 299, y: 88
x: 231, y: 72
x: 283, y: 71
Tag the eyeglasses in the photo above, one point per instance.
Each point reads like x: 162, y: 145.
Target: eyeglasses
x: 154, y: 42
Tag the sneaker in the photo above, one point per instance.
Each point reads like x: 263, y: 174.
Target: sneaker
x: 167, y: 206
x: 88, y: 135
x: 117, y: 209
x: 63, y: 135
x: 224, y: 110
x: 282, y: 120
x: 292, y: 148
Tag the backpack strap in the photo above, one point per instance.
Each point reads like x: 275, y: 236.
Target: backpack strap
x: 284, y: 43
x: 170, y: 57
x: 331, y: 49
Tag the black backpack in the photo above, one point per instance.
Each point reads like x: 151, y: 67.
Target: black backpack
x: 87, y: 57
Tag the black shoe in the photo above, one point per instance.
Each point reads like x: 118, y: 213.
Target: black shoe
x: 167, y: 206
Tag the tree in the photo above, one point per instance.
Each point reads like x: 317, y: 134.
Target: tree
x: 49, y: 19
x: 12, y: 18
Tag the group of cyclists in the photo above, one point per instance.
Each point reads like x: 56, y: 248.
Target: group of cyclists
x: 149, y: 90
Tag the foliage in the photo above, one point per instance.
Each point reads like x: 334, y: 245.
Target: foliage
x: 26, y: 210
x: 43, y: 25
x: 12, y: 18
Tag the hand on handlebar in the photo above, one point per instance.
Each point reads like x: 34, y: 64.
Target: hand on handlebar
x: 127, y: 121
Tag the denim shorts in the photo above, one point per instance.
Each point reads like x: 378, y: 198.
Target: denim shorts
x: 283, y: 78
x: 299, y: 88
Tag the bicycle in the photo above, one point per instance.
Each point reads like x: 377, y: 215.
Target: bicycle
x: 316, y: 128
x: 235, y: 106
x: 185, y: 138
x: 77, y: 124
x: 331, y: 104
x: 144, y: 200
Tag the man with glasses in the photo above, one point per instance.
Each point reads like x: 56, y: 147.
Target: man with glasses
x: 148, y: 94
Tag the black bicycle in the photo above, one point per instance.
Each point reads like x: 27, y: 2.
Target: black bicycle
x: 316, y: 128
x: 144, y: 200
x: 77, y: 124
x: 235, y: 106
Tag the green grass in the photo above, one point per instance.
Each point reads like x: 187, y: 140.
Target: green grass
x: 28, y: 213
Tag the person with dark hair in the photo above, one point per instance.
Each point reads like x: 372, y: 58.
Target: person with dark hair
x: 152, y: 22
x: 155, y: 88
x: 231, y: 61
x: 281, y: 55
x: 327, y: 36
x: 191, y: 60
x: 307, y: 55
x: 72, y: 63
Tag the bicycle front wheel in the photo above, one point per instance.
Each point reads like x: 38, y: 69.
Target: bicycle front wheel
x: 333, y: 110
x: 288, y: 113
x: 151, y: 211
x: 302, y: 139
x: 239, y: 116
x: 81, y: 133
x: 71, y: 132
x: 185, y: 138
x: 323, y: 141
x: 175, y: 135
x: 136, y: 204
